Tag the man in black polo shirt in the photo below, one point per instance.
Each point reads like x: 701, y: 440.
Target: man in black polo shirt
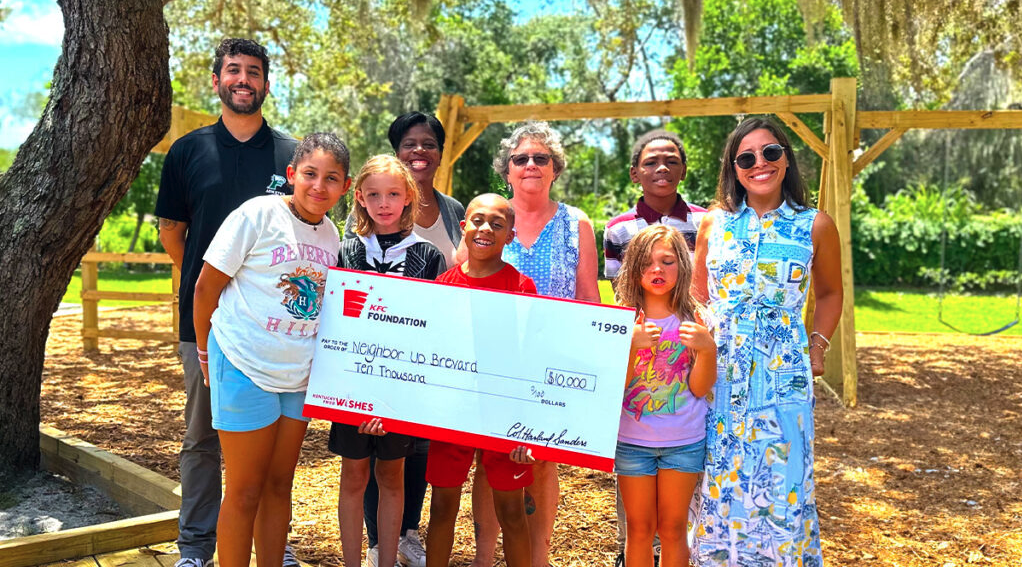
x: 206, y: 175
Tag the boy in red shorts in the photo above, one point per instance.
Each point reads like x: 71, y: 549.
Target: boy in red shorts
x: 489, y: 226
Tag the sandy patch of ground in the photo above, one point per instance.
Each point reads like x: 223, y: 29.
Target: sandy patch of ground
x: 925, y: 471
x: 50, y: 503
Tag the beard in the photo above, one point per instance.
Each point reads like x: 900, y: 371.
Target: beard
x: 227, y: 98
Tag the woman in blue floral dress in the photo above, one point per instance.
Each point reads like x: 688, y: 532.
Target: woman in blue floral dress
x: 756, y: 256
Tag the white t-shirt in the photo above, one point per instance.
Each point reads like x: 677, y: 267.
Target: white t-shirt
x: 437, y: 236
x: 268, y: 314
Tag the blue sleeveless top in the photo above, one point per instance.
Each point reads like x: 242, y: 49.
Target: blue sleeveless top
x: 552, y: 261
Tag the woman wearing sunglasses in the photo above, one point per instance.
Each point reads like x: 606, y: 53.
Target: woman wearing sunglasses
x: 754, y: 256
x: 554, y: 244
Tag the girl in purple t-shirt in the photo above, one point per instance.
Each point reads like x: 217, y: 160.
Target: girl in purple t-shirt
x: 661, y: 443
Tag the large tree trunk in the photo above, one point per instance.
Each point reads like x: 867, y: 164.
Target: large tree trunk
x: 109, y: 105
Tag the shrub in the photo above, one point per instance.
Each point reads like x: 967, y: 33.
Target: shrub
x: 900, y: 243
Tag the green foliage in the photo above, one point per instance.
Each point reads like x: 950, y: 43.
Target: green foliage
x: 351, y: 67
x: 6, y: 158
x: 118, y: 230
x: 900, y: 243
x: 756, y: 48
x: 141, y: 196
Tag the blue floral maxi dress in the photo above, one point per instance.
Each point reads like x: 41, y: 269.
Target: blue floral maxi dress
x: 757, y: 503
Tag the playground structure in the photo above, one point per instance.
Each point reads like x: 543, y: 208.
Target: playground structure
x: 841, y: 134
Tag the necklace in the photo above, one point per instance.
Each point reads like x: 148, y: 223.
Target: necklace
x: 294, y: 211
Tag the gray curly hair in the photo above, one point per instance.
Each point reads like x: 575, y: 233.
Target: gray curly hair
x: 537, y: 131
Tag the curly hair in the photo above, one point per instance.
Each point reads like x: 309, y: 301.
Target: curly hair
x: 638, y: 257
x: 385, y: 164
x: 232, y: 46
x: 730, y: 193
x: 538, y: 132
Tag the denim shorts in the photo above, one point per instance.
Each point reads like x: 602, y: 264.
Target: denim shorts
x: 238, y: 404
x: 635, y: 460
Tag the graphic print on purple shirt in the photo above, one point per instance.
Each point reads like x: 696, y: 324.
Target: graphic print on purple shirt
x: 658, y: 409
x: 659, y: 380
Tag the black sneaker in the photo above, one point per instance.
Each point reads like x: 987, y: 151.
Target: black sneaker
x: 620, y: 561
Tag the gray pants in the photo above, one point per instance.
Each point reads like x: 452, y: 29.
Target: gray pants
x: 200, y: 465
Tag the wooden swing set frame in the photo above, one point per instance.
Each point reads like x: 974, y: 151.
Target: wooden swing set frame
x: 842, y: 126
x: 838, y: 149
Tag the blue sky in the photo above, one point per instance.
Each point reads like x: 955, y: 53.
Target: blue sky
x: 30, y: 41
x: 29, y: 47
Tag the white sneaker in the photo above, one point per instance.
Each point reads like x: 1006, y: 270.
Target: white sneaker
x: 410, y: 552
x: 373, y: 557
x: 193, y: 562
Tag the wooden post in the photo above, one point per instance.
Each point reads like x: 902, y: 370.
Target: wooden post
x: 841, y: 365
x: 447, y: 112
x: 90, y: 307
x: 821, y: 204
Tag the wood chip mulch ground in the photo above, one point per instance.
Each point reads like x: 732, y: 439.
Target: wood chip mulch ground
x: 927, y: 470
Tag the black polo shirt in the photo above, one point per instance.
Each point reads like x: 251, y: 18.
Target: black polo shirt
x: 206, y: 175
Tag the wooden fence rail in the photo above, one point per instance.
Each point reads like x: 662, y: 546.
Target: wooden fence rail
x: 91, y: 295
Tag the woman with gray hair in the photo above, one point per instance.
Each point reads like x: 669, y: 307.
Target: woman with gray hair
x: 554, y: 244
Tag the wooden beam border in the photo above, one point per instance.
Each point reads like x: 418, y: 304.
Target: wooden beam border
x: 131, y: 486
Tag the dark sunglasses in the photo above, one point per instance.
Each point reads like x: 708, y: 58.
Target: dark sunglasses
x: 770, y: 152
x: 521, y: 160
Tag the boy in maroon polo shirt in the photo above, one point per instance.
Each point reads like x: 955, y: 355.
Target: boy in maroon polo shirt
x: 489, y: 226
x: 659, y: 165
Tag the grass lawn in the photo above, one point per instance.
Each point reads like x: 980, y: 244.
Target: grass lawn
x: 915, y: 310
x: 888, y: 310
x: 120, y: 280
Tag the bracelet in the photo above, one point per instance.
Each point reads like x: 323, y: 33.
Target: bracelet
x: 205, y: 362
x: 826, y: 342
x: 200, y: 351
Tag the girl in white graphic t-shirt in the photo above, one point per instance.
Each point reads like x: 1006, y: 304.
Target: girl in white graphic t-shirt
x: 257, y: 304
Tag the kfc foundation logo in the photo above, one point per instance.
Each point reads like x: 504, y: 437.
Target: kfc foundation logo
x: 354, y: 302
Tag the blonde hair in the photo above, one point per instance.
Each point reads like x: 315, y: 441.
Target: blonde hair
x: 638, y: 257
x: 385, y: 164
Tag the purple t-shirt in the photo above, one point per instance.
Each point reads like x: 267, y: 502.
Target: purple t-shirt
x: 658, y: 409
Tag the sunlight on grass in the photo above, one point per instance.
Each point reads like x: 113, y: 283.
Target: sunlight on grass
x: 120, y: 280
x: 915, y: 311
x: 883, y: 310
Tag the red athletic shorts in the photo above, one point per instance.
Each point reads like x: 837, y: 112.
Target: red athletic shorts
x: 448, y: 467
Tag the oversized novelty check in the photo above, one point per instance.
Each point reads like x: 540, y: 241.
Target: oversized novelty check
x: 475, y: 367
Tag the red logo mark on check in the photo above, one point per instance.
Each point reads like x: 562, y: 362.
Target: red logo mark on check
x: 354, y: 302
